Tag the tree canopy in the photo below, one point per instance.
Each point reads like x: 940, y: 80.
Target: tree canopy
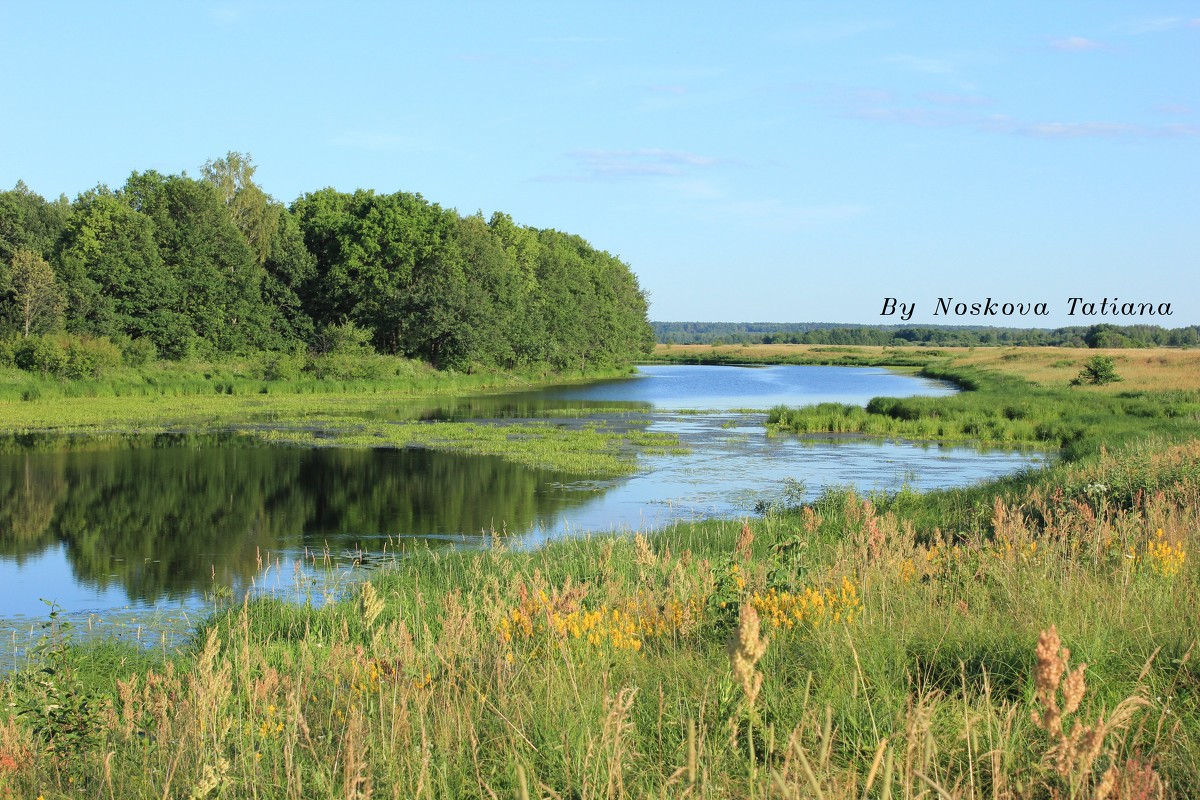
x: 211, y: 265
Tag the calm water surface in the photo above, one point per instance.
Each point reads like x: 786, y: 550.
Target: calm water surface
x: 130, y: 537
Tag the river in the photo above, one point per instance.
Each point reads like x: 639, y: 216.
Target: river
x: 139, y: 536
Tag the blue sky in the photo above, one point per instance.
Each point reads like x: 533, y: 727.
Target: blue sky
x: 784, y: 162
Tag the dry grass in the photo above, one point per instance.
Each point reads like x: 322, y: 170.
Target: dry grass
x: 925, y: 665
x: 851, y: 648
x: 1155, y: 370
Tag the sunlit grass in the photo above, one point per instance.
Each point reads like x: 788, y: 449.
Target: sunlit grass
x: 857, y: 646
x: 344, y: 414
x: 583, y: 450
x: 892, y: 655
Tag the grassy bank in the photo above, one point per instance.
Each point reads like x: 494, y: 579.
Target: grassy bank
x: 168, y: 392
x: 1014, y: 396
x: 900, y: 646
x: 310, y: 412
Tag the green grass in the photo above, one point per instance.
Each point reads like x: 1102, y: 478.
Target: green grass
x: 322, y: 413
x: 900, y: 656
x: 583, y: 450
x: 590, y: 664
x: 1003, y: 410
x: 398, y: 377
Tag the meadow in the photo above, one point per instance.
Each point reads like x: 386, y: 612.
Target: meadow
x: 1029, y: 638
x: 320, y: 412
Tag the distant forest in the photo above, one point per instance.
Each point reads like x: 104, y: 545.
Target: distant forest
x: 1101, y: 335
x: 172, y: 266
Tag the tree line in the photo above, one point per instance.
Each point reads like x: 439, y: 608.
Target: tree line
x: 1097, y: 336
x: 177, y: 267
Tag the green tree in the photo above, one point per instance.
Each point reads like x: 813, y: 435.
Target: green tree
x: 289, y: 271
x: 519, y: 290
x: 1097, y: 371
x: 117, y: 283
x: 250, y: 208
x: 219, y: 279
x: 37, y: 298
x: 27, y: 220
x: 374, y: 260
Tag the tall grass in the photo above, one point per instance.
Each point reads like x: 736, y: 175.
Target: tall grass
x: 1031, y: 638
x: 1004, y: 410
x: 891, y: 660
x: 311, y: 412
x: 246, y: 377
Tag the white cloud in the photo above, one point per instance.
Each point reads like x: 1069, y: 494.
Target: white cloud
x: 1180, y: 130
x: 926, y: 64
x: 1081, y: 130
x: 775, y: 215
x: 832, y: 31
x: 954, y: 99
x: 922, y: 117
x: 1174, y: 109
x: 226, y: 15
x: 963, y: 111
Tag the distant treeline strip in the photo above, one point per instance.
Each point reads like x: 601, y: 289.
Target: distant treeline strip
x: 1101, y: 335
x: 180, y: 267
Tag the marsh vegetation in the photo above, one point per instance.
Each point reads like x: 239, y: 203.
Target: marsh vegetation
x: 889, y: 644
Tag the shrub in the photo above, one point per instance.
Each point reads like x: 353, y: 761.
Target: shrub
x: 346, y: 366
x: 66, y: 356
x: 88, y: 357
x: 44, y: 354
x: 1097, y: 371
x: 278, y: 366
x: 346, y: 338
x: 138, y: 352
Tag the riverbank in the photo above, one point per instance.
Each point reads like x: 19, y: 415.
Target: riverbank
x: 324, y: 413
x: 854, y: 646
x: 1014, y: 396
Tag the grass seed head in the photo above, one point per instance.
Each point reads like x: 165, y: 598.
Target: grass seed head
x: 745, y: 649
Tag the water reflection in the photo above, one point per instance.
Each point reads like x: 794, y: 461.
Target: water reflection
x: 734, y: 467
x: 671, y: 387
x: 101, y: 524
x: 165, y: 516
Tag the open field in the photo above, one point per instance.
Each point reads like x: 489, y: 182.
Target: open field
x: 887, y: 646
x: 1153, y: 370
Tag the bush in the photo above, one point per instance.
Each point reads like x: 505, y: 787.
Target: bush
x: 278, y: 366
x: 138, y: 352
x: 65, y: 356
x: 1097, y: 371
x: 345, y: 366
x: 345, y: 339
x: 88, y: 357
x: 44, y: 354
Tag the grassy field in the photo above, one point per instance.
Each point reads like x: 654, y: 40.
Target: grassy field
x: 1155, y: 370
x: 1017, y: 397
x: 1030, y: 638
x: 310, y: 412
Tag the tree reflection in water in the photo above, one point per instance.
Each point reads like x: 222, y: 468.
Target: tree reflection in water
x: 160, y: 514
